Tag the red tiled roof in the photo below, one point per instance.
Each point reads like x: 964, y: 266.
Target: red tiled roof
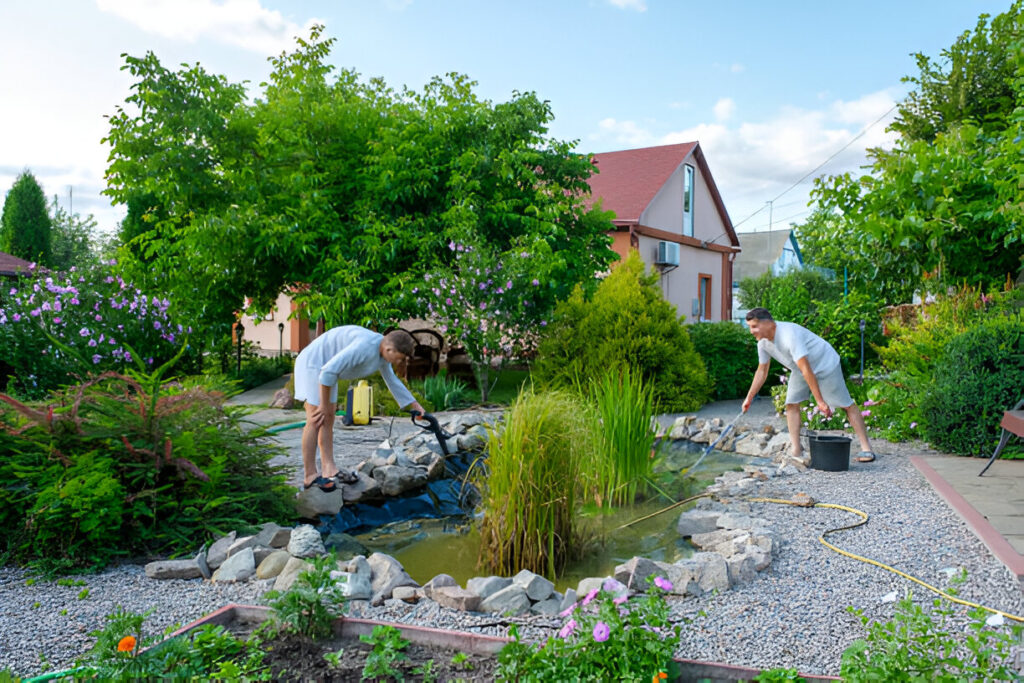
x: 628, y: 180
x: 10, y: 265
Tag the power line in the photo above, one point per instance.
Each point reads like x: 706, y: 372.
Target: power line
x: 819, y: 166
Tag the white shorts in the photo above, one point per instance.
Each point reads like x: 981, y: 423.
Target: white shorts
x: 832, y: 386
x: 307, y: 384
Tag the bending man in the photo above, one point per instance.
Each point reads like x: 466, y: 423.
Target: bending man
x: 815, y: 372
x: 348, y: 352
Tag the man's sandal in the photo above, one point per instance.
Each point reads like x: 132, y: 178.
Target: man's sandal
x: 866, y: 456
x: 346, y: 477
x: 324, y: 484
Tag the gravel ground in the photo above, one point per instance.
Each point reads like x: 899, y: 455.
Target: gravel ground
x: 794, y: 614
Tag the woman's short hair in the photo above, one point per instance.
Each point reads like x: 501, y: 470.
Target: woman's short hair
x: 401, y: 341
x: 759, y: 314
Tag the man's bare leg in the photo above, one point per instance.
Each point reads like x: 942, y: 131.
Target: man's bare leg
x: 325, y: 440
x: 309, y: 439
x: 859, y: 428
x: 793, y: 424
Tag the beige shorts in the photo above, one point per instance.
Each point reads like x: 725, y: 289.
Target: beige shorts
x: 832, y: 386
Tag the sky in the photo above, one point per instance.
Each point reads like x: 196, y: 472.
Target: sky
x: 776, y: 93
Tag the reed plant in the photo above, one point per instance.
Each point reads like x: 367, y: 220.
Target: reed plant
x: 532, y: 484
x: 624, y: 404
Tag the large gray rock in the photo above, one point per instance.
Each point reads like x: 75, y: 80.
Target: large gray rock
x: 712, y: 571
x: 395, y: 480
x: 537, y: 587
x: 486, y: 586
x: 271, y: 567
x: 305, y: 541
x: 237, y: 567
x: 273, y: 535
x: 742, y: 567
x: 439, y: 581
x: 697, y: 522
x: 633, y: 573
x: 455, y: 597
x: 173, y: 569
x: 407, y: 594
x: 388, y: 574
x: 313, y: 502
x: 241, y: 543
x: 292, y: 568
x: 218, y: 552
x: 282, y: 399
x: 510, y: 600
x: 549, y: 607
x: 367, y: 488
x: 353, y: 586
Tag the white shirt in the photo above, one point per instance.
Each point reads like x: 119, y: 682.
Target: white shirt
x: 793, y: 342
x: 351, y: 352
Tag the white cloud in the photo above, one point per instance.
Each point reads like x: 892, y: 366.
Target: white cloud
x: 737, y: 68
x: 756, y: 161
x: 623, y: 134
x: 243, y: 23
x: 724, y: 109
x: 636, y: 5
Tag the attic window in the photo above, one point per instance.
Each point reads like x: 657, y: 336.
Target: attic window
x: 688, y: 200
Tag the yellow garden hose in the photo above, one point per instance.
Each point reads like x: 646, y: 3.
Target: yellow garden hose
x: 864, y: 518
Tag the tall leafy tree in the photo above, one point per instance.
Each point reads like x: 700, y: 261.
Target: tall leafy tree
x: 348, y: 191
x: 25, y: 228
x: 943, y: 206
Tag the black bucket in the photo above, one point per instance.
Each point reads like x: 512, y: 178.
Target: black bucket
x: 830, y: 453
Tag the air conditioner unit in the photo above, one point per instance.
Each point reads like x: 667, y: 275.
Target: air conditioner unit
x: 668, y: 254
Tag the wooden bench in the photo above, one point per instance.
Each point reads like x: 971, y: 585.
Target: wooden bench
x: 1012, y: 424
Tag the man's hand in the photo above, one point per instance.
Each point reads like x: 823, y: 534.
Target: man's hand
x: 415, y: 405
x: 746, y: 403
x: 824, y: 408
x: 316, y: 417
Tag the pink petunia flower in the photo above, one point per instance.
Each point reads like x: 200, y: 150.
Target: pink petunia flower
x: 662, y: 583
x: 566, y: 630
x: 601, y: 631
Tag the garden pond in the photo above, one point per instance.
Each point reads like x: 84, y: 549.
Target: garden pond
x: 433, y: 531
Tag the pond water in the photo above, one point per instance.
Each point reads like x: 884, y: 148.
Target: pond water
x: 432, y: 533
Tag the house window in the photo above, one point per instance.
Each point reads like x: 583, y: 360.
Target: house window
x: 704, y: 297
x: 688, y: 200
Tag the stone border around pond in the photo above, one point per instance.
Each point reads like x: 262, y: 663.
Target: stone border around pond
x: 734, y: 546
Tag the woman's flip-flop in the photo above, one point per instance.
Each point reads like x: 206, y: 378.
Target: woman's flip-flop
x: 866, y: 456
x: 323, y: 483
x: 346, y: 477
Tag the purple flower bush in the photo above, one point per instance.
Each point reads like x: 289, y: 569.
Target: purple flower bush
x: 92, y: 312
x: 609, y: 635
x: 492, y: 305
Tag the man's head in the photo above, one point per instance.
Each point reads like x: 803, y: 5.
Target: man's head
x: 761, y: 323
x: 397, y: 346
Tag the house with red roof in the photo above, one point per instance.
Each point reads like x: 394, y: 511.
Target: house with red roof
x: 668, y: 208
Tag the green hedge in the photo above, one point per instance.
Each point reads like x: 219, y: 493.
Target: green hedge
x: 977, y: 377
x: 730, y: 356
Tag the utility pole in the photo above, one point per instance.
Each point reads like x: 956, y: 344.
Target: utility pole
x: 770, y: 214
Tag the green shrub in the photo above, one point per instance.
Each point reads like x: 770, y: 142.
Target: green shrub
x: 977, y: 377
x: 838, y: 322
x: 627, y: 323
x: 532, y: 484
x: 795, y: 296
x: 258, y: 370
x: 922, y: 645
x: 446, y: 393
x: 730, y: 356
x: 129, y: 464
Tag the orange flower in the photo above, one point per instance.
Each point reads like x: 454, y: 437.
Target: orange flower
x: 658, y: 677
x: 126, y: 644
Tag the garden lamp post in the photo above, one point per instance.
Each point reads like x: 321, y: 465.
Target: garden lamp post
x: 240, y: 330
x: 863, y: 324
x: 280, y: 340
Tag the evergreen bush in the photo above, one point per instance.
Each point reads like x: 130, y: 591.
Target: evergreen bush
x: 794, y: 296
x: 626, y: 323
x: 977, y: 377
x: 730, y: 356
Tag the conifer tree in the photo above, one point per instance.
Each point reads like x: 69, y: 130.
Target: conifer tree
x: 25, y: 227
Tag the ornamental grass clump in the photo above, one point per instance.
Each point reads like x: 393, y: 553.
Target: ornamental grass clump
x: 532, y: 484
x: 609, y: 635
x: 625, y: 410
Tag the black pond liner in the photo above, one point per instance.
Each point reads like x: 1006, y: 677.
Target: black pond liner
x: 445, y: 497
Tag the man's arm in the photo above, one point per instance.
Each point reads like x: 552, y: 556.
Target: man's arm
x: 755, y: 386
x: 812, y: 383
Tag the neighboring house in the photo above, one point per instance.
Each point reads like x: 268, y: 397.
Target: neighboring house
x: 668, y: 208
x: 774, y: 251
x: 12, y: 266
x: 279, y: 331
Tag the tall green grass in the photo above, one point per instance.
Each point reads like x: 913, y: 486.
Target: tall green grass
x: 623, y: 461
x: 445, y: 392
x: 533, y: 484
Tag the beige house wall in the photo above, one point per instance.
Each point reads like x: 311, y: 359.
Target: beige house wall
x: 265, y: 333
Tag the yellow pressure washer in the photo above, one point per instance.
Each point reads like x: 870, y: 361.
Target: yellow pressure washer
x: 358, y: 404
